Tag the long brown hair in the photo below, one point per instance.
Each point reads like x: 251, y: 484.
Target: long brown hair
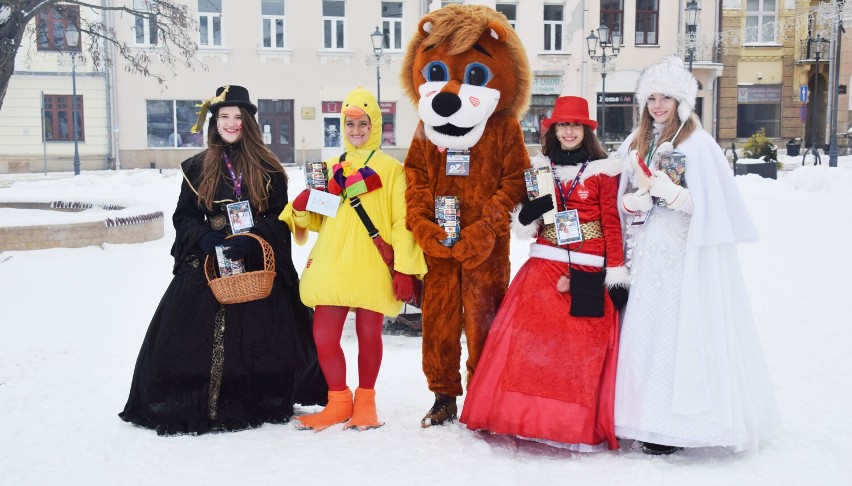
x: 645, y: 130
x: 590, y: 142
x: 254, y: 160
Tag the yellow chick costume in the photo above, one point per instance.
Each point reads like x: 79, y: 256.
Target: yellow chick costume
x: 344, y: 267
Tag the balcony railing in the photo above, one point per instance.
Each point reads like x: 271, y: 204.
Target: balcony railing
x: 704, y: 49
x: 808, y: 50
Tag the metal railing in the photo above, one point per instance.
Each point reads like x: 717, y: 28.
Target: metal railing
x: 807, y: 50
x: 704, y: 49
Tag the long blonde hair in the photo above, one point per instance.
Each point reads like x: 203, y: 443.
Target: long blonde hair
x: 254, y: 160
x: 645, y: 130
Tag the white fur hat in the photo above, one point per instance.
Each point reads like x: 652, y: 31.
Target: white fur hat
x: 671, y: 78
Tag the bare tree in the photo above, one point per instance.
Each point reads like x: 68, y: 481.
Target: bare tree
x: 173, y: 27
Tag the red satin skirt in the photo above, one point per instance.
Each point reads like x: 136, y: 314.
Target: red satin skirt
x: 544, y: 374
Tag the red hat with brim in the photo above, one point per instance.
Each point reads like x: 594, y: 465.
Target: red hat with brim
x: 570, y: 109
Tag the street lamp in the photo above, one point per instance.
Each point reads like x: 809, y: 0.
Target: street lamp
x: 72, y: 37
x: 613, y: 43
x: 835, y: 64
x: 692, y: 11
x: 815, y: 115
x: 378, y: 40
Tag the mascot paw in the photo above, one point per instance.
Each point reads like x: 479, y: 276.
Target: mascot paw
x: 475, y: 246
x: 429, y: 235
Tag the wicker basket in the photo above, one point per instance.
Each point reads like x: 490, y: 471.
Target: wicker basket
x: 242, y: 287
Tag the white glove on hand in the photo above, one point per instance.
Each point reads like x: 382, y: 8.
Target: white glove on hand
x: 663, y: 187
x: 637, y: 201
x: 643, y: 182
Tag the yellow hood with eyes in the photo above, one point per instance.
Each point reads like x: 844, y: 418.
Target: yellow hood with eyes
x: 356, y: 103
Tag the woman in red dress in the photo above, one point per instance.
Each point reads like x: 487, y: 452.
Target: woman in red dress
x: 547, y: 372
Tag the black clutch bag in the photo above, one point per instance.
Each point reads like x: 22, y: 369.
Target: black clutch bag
x: 587, y: 293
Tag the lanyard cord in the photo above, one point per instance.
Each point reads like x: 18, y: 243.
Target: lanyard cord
x: 238, y: 181
x: 652, y: 148
x: 562, y: 196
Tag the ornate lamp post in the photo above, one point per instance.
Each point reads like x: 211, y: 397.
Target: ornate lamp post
x: 72, y: 37
x: 378, y: 39
x: 832, y: 140
x: 692, y: 12
x: 605, y: 41
x: 815, y: 115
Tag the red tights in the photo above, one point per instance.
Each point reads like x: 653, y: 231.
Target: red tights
x: 328, y: 328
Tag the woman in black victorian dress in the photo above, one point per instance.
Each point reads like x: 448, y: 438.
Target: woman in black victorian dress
x: 205, y: 366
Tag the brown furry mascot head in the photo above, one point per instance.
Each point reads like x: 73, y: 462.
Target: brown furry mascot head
x: 464, y: 64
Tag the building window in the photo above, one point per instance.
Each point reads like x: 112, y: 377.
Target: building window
x: 274, y: 23
x: 145, y: 26
x: 169, y: 122
x: 541, y: 107
x: 759, y: 106
x: 333, y: 24
x: 510, y: 10
x: 619, y: 118
x: 52, y: 22
x: 331, y: 124
x: 388, y: 122
x: 554, y: 28
x: 58, y: 119
x: 392, y: 25
x: 760, y: 21
x: 647, y: 20
x: 210, y: 23
x: 612, y: 15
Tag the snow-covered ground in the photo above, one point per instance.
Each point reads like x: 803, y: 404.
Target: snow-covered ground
x: 72, y: 320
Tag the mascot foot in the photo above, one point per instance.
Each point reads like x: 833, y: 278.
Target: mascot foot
x: 364, y: 413
x: 442, y: 410
x: 338, y: 410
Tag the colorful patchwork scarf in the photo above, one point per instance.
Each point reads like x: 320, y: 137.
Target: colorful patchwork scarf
x: 354, y: 182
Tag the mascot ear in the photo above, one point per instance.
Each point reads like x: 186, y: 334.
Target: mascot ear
x: 498, y: 31
x: 425, y: 26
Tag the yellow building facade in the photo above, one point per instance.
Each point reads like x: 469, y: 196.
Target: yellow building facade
x: 771, y: 77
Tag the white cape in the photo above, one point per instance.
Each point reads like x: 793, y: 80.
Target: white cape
x: 720, y: 375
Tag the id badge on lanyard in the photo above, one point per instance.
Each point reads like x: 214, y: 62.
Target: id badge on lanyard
x: 458, y: 162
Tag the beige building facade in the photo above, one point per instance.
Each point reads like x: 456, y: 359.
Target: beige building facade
x: 37, y: 122
x: 299, y: 59
x: 651, y: 30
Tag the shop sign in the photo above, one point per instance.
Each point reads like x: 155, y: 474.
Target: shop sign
x: 616, y: 98
x: 332, y: 106
x: 759, y: 94
x: 547, y: 85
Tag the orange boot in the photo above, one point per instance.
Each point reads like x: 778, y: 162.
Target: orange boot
x: 364, y: 415
x: 338, y: 409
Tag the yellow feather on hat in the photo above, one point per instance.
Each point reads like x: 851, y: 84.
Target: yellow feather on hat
x: 205, y: 106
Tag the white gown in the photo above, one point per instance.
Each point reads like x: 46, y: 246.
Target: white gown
x: 690, y: 368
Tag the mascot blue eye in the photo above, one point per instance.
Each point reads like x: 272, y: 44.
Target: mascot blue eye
x: 436, y: 71
x: 477, y: 74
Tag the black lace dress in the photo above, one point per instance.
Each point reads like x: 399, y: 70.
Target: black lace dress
x: 204, y: 366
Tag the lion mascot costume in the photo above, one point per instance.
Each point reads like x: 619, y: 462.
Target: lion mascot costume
x: 468, y: 74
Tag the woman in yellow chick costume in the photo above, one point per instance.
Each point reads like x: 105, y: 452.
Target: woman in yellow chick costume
x: 346, y: 269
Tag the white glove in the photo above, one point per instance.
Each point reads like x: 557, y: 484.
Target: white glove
x: 663, y: 187
x: 643, y: 182
x: 637, y: 201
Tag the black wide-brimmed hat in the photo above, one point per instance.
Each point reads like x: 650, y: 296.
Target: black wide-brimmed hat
x: 228, y: 95
x: 234, y: 96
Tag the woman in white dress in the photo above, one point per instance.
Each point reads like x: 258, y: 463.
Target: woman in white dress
x: 691, y: 371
